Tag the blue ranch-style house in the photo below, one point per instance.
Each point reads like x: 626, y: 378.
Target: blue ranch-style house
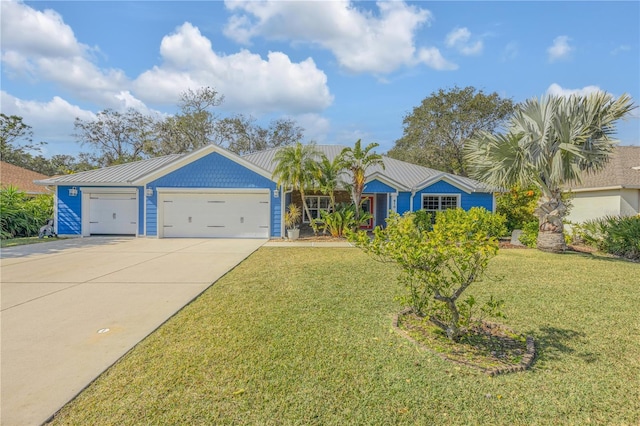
x: 213, y: 193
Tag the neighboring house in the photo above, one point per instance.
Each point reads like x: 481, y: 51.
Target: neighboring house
x: 614, y: 191
x: 21, y: 178
x: 212, y: 192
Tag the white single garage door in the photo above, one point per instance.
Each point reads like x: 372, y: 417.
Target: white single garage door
x: 113, y: 214
x: 215, y: 215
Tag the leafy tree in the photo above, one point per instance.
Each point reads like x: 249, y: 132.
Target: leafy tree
x: 16, y: 141
x: 437, y: 130
x: 297, y: 169
x: 549, y: 143
x: 438, y: 262
x: 357, y: 160
x: 240, y: 134
x: 117, y: 137
x: 192, y: 128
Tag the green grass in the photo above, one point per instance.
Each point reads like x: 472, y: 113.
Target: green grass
x: 24, y: 241
x: 304, y: 336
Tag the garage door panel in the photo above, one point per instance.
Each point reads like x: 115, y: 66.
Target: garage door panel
x: 113, y: 214
x: 224, y: 215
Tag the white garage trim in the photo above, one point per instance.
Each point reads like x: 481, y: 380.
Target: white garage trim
x: 87, y: 192
x: 221, y: 218
x: 161, y: 190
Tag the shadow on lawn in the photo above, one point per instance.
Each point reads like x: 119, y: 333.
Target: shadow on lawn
x: 598, y: 256
x: 553, y: 343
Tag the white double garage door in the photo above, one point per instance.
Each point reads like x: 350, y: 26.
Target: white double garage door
x: 184, y: 213
x: 212, y: 214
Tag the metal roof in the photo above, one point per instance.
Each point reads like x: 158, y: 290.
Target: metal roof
x: 409, y: 176
x: 406, y: 174
x: 120, y: 174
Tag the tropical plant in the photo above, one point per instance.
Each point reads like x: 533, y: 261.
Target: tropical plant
x: 22, y: 215
x: 297, y: 169
x: 357, y: 160
x: 292, y: 216
x: 329, y: 179
x: 613, y: 234
x: 438, y: 264
x: 549, y: 143
x: 341, y: 220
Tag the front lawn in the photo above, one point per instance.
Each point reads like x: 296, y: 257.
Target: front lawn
x: 304, y: 336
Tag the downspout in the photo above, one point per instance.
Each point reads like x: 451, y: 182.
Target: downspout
x: 413, y: 194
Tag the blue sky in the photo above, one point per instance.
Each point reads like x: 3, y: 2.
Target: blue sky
x: 343, y: 70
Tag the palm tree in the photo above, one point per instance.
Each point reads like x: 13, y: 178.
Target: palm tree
x: 330, y: 172
x: 550, y: 143
x: 297, y: 169
x: 357, y: 161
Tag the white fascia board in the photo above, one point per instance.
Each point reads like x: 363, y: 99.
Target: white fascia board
x: 447, y: 178
x: 597, y: 188
x: 196, y: 155
x: 108, y: 190
x: 178, y: 190
x: 388, y: 181
x: 82, y: 183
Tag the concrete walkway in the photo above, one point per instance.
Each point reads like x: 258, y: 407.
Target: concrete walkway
x: 71, y: 308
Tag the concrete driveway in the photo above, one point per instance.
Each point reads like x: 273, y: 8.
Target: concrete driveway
x: 71, y: 308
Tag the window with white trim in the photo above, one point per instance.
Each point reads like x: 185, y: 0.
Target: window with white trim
x: 316, y: 203
x: 435, y: 203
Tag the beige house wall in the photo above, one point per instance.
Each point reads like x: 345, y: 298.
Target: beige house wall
x: 596, y: 204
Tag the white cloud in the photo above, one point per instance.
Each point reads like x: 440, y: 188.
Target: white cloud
x: 560, y: 49
x: 248, y: 82
x: 42, y: 46
x: 37, y: 33
x: 316, y: 127
x: 510, y: 51
x: 460, y: 39
x: 620, y: 49
x: 557, y: 90
x: 360, y: 40
x: 53, y: 118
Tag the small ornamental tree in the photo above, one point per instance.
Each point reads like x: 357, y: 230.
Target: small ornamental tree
x: 438, y: 262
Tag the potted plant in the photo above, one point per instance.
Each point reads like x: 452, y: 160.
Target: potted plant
x: 291, y: 220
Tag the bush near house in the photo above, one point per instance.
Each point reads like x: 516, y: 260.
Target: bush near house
x: 616, y: 235
x: 22, y: 215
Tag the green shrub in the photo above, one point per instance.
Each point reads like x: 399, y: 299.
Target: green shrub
x: 517, y: 206
x: 440, y: 263
x: 529, y: 234
x: 613, y: 234
x: 343, y: 219
x: 22, y: 215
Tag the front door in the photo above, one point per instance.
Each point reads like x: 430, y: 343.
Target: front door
x: 367, y: 205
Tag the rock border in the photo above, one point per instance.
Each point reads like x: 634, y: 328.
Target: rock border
x: 526, y: 362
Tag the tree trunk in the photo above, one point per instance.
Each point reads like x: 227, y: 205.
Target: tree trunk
x: 551, y: 241
x: 550, y: 212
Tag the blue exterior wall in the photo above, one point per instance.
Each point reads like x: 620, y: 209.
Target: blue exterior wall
x: 377, y: 186
x: 403, y: 203
x: 211, y: 171
x: 475, y: 199
x: 69, y: 212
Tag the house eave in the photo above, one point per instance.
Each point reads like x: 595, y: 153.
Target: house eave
x: 602, y: 188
